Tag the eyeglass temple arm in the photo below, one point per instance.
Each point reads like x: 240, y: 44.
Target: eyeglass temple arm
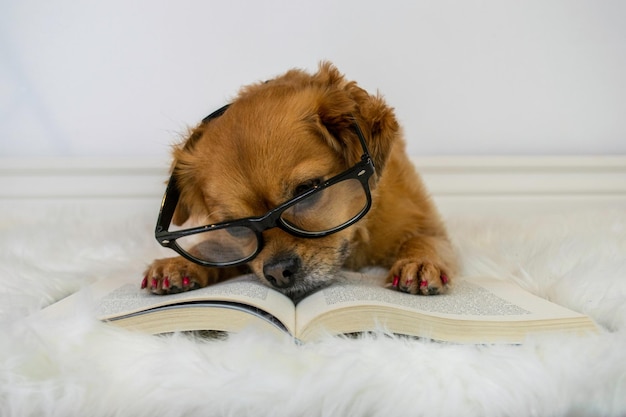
x: 168, y: 205
x: 359, y: 133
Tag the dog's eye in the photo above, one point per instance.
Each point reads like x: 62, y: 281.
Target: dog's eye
x: 306, y: 186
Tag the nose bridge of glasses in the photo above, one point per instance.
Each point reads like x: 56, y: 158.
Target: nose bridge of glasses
x: 267, y: 221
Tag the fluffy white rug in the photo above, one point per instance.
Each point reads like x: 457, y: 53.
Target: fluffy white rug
x: 79, y: 367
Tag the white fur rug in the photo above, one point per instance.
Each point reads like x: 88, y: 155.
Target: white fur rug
x: 79, y: 367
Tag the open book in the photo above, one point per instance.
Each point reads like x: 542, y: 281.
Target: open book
x: 476, y: 310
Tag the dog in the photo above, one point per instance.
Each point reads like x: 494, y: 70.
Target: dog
x: 299, y: 177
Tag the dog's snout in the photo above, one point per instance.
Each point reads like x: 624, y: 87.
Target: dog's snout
x: 281, y: 272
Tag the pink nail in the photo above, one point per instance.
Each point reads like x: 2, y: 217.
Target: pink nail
x: 144, y: 283
x: 444, y: 279
x: 186, y: 281
x: 154, y: 282
x: 396, y: 281
x: 423, y: 284
x: 166, y: 283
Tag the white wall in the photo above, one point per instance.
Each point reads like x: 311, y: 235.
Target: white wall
x: 122, y: 77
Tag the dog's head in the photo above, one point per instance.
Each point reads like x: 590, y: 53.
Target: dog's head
x: 276, y: 140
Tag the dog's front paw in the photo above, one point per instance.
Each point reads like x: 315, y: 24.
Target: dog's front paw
x: 174, y: 275
x: 417, y: 277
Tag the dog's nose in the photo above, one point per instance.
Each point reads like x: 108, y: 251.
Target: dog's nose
x: 281, y: 272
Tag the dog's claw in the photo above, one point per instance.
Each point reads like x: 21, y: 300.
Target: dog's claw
x: 445, y: 279
x: 396, y: 281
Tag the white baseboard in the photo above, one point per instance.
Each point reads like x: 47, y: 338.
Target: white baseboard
x: 525, y: 184
x: 458, y: 184
x: 82, y: 178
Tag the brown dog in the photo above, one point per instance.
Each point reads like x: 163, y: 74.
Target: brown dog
x: 293, y: 158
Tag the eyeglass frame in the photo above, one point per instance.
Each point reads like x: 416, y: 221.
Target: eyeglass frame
x: 361, y: 171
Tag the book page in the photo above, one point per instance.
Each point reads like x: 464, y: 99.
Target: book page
x: 467, y: 299
x: 471, y: 300
x: 114, y: 298
x: 246, y: 290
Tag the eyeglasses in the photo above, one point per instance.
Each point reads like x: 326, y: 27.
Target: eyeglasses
x: 319, y: 211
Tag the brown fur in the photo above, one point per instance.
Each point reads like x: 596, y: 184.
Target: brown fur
x: 281, y: 133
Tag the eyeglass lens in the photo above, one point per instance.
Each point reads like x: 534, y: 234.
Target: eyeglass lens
x: 221, y: 246
x: 327, y: 209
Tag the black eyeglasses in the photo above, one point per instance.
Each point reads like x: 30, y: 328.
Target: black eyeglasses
x: 319, y: 211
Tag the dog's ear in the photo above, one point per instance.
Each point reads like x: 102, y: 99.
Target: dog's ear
x: 182, y: 169
x: 343, y: 102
